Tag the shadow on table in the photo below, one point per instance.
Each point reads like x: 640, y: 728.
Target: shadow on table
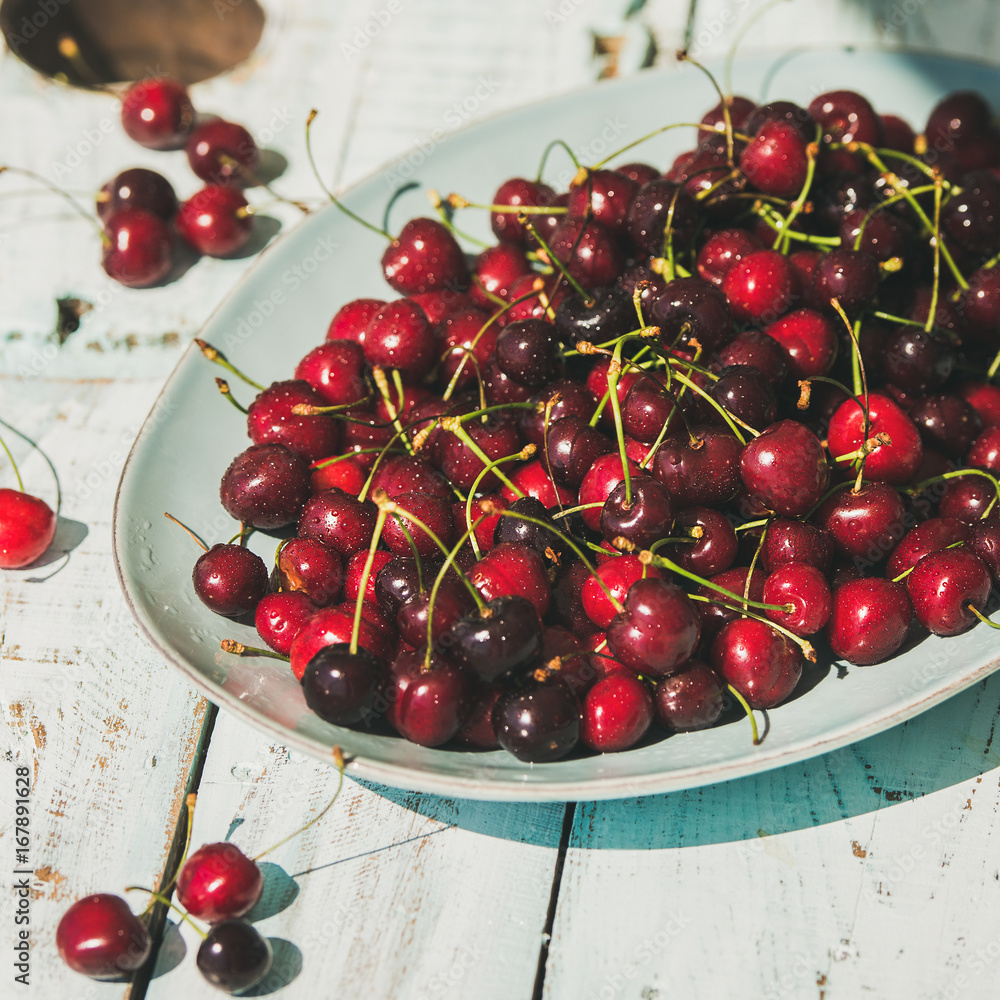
x: 949, y: 745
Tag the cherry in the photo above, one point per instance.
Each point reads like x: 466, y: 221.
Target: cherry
x: 780, y: 111
x: 157, y: 113
x: 607, y: 314
x: 930, y: 536
x: 984, y: 540
x: 599, y: 482
x: 278, y: 619
x: 428, y: 706
x: 517, y: 193
x: 137, y: 188
x: 466, y: 343
x: 572, y: 447
x: 588, y: 250
x: 849, y: 276
x: 234, y: 956
x: 334, y: 626
x: 942, y: 586
x: 790, y: 541
x: 746, y: 393
x: 354, y: 574
x: 399, y: 336
x: 870, y: 620
x: 957, y: 116
x: 691, y: 699
x: 539, y: 723
x: 265, y: 486
x: 866, y: 523
x: 700, y: 467
x: 917, y: 362
x: 775, y: 162
x: 434, y: 511
x: 642, y: 518
x: 785, y: 468
x: 947, y: 422
x: 527, y: 352
x: 846, y: 117
x: 399, y: 474
x: 654, y: 206
x: 617, y: 575
x: 271, y: 420
x: 657, y: 630
x: 692, y: 309
x: 312, y: 568
x: 544, y: 540
x: 616, y: 713
x: 451, y: 602
x: 893, y: 462
x: 338, y: 520
x: 341, y: 686
x: 351, y: 321
x: 27, y: 527
x: 100, y: 937
x: 398, y: 580
x: 504, y: 635
x: 984, y: 452
x: 980, y: 302
x: 809, y: 340
x: 715, y: 551
x: 424, y: 257
x: 805, y: 588
x: 760, y: 287
x: 222, y: 152
x: 496, y: 270
x: 533, y: 480
x: 759, y: 350
x: 216, y: 221
x: 219, y: 882
x: 897, y: 134
x: 477, y: 730
x: 335, y: 370
x: 972, y: 217
x: 604, y: 195
x: 641, y: 173
x: 561, y: 398
x: 512, y: 569
x: 139, y: 249
x: 230, y: 580
x: 760, y: 663
x: 721, y: 250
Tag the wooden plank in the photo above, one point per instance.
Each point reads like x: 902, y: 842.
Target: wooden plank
x: 108, y: 730
x: 395, y: 894
x: 868, y: 871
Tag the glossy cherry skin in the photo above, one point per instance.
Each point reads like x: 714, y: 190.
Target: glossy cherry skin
x: 533, y: 480
x: 27, y: 527
x: 758, y: 349
x: 915, y: 361
x: 689, y: 308
x: 312, y: 568
x: 338, y: 520
x: 785, y: 468
x: 266, y: 486
x: 157, y: 113
x: 351, y: 321
x: 942, y: 586
x: 607, y: 314
x: 510, y: 569
x: 643, y: 518
x: 721, y: 250
x: 400, y: 336
x: 930, y: 536
x: 617, y: 575
x: 465, y: 343
x: 222, y: 152
x: 775, y: 162
x: 424, y: 257
x: 496, y: 270
x: 691, y: 699
x: 234, y: 956
x: 657, y: 630
x: 335, y: 370
x: 271, y: 420
x: 616, y: 713
x: 219, y: 881
x: 870, y: 620
x: 701, y: 467
x: 279, y: 617
x: 967, y: 498
x: 139, y: 251
x: 654, y: 206
x: 230, y: 580
x: 984, y: 541
x: 948, y: 423
x: 434, y: 511
x: 539, y: 723
x: 796, y: 541
x: 984, y: 452
x: 215, y: 221
x: 588, y: 250
x: 893, y: 463
x: 354, y: 574
x: 137, y: 188
x: 333, y: 627
x: 503, y: 636
x: 604, y: 195
x: 572, y: 448
x: 865, y: 524
x: 428, y: 706
x: 451, y: 601
x: 341, y: 687
x: 760, y: 287
x: 762, y: 664
x: 810, y: 342
x: 100, y: 937
x: 714, y: 551
x: 806, y: 589
x: 516, y: 193
x: 599, y: 482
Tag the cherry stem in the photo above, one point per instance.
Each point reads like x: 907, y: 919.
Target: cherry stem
x: 240, y: 649
x: 730, y: 418
x: 588, y: 299
x: 614, y: 374
x: 223, y: 386
x: 382, y: 384
x: 170, y: 517
x: 457, y: 201
x: 523, y: 455
x: 17, y: 474
x: 24, y: 172
x: 215, y: 355
x: 366, y: 572
x: 921, y: 486
x: 749, y: 712
x: 701, y: 126
x: 338, y: 759
x: 319, y: 180
x: 981, y: 616
x: 545, y: 156
x: 683, y: 56
x: 936, y: 286
x: 812, y: 151
x: 454, y: 426
x: 170, y: 906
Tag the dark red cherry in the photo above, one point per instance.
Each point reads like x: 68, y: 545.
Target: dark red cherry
x: 980, y: 302
x: 691, y: 699
x: 691, y: 309
x: 713, y: 551
x: 849, y: 276
x: 137, y: 188
x: 230, y: 580
x: 334, y: 626
x: 513, y: 569
x: 984, y: 541
x: 351, y: 321
x: 721, y: 250
x: 897, y: 134
x: 601, y: 479
x: 760, y: 287
x: 785, y: 468
x: 434, y: 511
x: 967, y: 498
x: 984, y: 452
x: 972, y: 216
x: 510, y: 528
x: 539, y: 723
x: 222, y: 152
x: 780, y: 111
x: 588, y: 250
x: 561, y: 398
x: 701, y: 467
x: 338, y: 520
x: 340, y: 686
x: 616, y: 713
x: 477, y: 730
x: 399, y: 336
x: 942, y: 586
x: 870, y: 620
x: 796, y: 541
x: 271, y: 420
x: 762, y: 664
x: 139, y: 249
x: 604, y: 195
x: 517, y: 193
x: 504, y: 635
x: 865, y: 524
x: 655, y: 205
x: 894, y: 462
x: 528, y: 352
x: 424, y: 257
x: 312, y: 568
x: 641, y: 173
x: 100, y: 937
x: 234, y: 956
x: 607, y: 314
x: 335, y: 370
x: 641, y: 518
x: 724, y: 608
x: 279, y: 617
x: 451, y: 601
x: 759, y: 350
x: 775, y: 162
x: 428, y: 705
x: 465, y: 341
x: 157, y: 113
x: 617, y: 575
x: 572, y: 448
x: 948, y: 423
x: 809, y: 340
x: 846, y: 117
x: 932, y: 535
x: 657, y: 630
x: 496, y: 270
x: 806, y: 589
x: 266, y: 486
x: 216, y: 221
x: 219, y: 881
x: 746, y: 393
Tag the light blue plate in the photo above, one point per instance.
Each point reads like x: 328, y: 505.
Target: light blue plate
x: 282, y: 308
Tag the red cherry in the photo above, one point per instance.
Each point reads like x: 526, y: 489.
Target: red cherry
x: 351, y: 321
x: 271, y: 420
x: 100, y: 937
x: 604, y: 195
x: 518, y: 192
x: 762, y: 664
x: 333, y: 626
x: 870, y: 620
x: 139, y: 251
x: 616, y: 713
x: 809, y: 340
x: 617, y: 575
x: 425, y: 256
x: 931, y: 536
x: 760, y: 287
x: 865, y: 523
x: 230, y: 579
x: 776, y: 162
x: 513, y: 569
x: 137, y: 188
x: 895, y: 462
x: 399, y: 336
x: 691, y: 699
x: 219, y: 881
x: 279, y: 617
x: 943, y: 585
x: 222, y: 152
x: 805, y: 588
x: 27, y: 527
x: 428, y: 707
x: 785, y: 468
x: 722, y: 250
x: 157, y: 113
x: 984, y: 397
x: 215, y: 221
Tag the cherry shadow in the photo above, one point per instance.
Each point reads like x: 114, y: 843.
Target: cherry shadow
x: 171, y: 951
x: 69, y: 534
x: 279, y: 892
x: 285, y: 966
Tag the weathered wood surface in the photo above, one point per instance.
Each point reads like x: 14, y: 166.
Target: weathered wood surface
x: 869, y: 871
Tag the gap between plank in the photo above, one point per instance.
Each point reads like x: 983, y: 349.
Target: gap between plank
x: 550, y: 917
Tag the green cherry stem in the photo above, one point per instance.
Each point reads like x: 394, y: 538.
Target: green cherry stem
x: 524, y: 455
x: 170, y: 906
x: 223, y: 387
x: 215, y: 355
x: 982, y: 617
x: 749, y: 712
x: 367, y: 571
x: 240, y: 649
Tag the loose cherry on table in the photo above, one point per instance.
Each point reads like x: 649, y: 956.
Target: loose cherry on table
x: 100, y: 937
x: 158, y: 113
x: 218, y: 882
x: 27, y: 525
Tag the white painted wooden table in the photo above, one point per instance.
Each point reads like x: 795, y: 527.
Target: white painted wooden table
x: 872, y: 871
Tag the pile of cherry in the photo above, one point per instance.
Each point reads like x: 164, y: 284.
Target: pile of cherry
x: 629, y: 459
x: 138, y: 208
